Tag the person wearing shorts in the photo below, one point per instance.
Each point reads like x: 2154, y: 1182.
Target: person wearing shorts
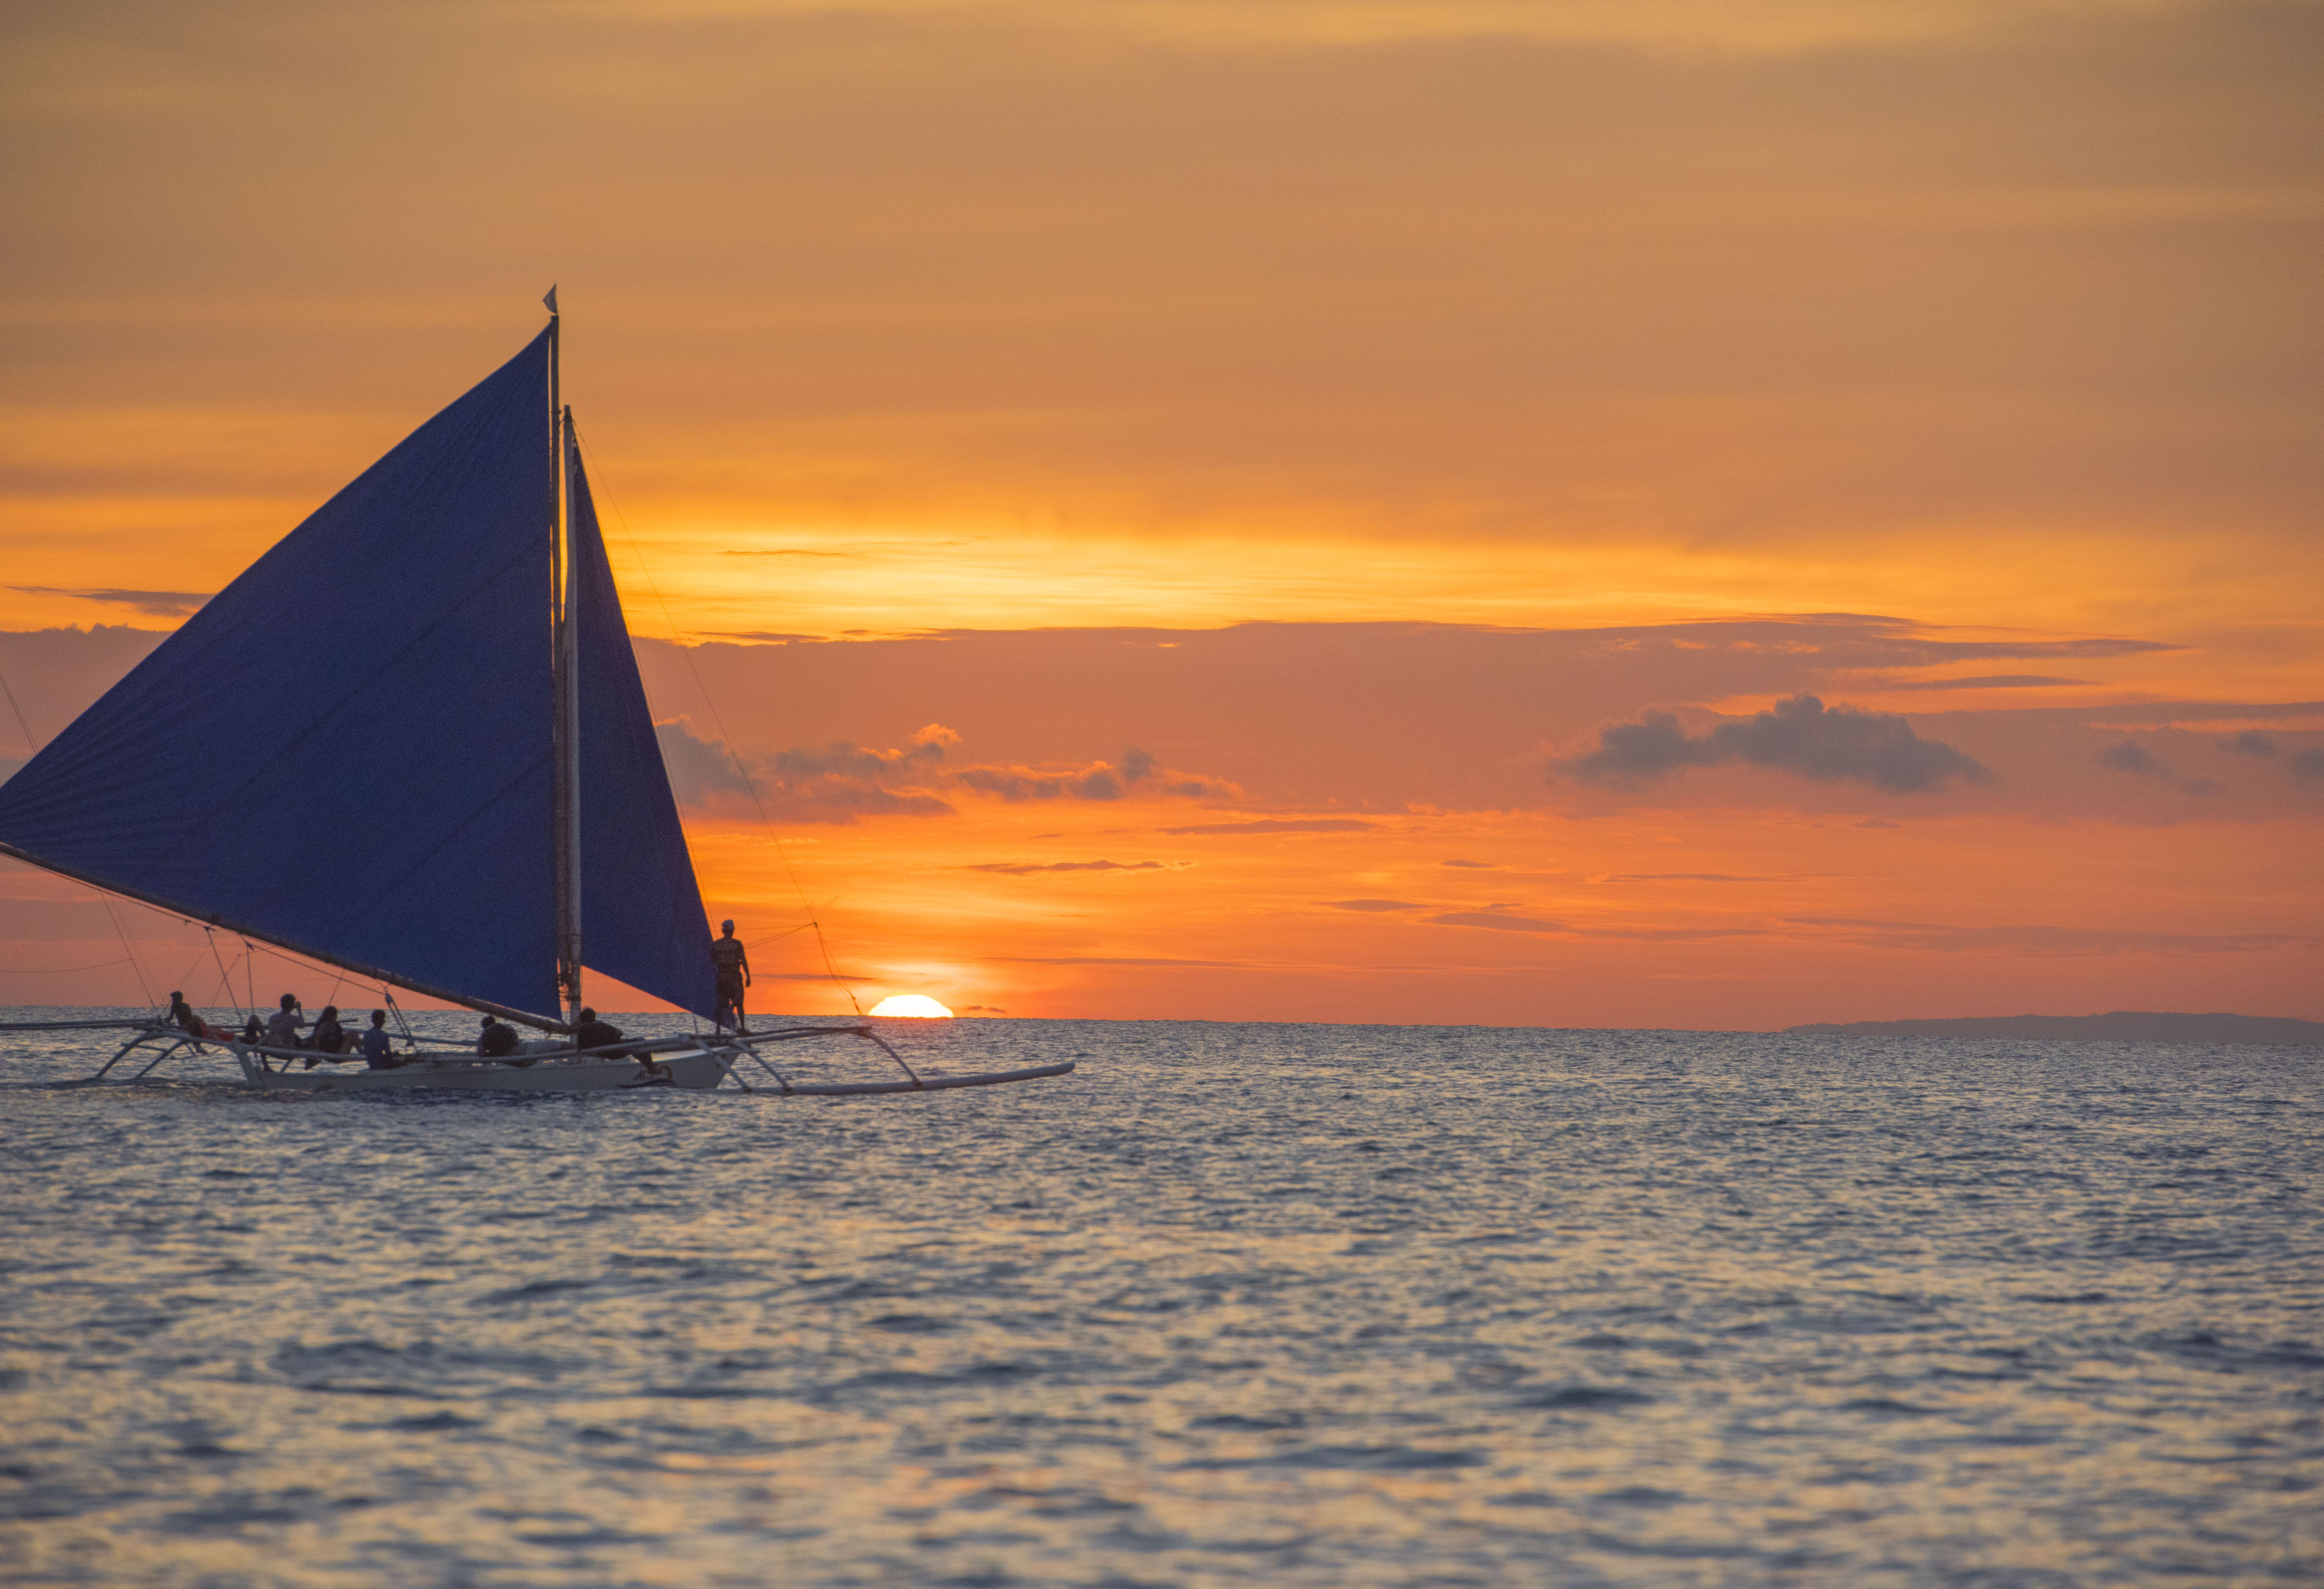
x: 733, y: 967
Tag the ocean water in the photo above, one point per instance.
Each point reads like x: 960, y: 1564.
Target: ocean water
x: 1236, y: 1304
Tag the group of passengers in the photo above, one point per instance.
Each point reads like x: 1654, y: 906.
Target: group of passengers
x: 328, y: 1040
x: 496, y: 1040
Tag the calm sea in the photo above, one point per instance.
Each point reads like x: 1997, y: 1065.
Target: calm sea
x: 1234, y: 1305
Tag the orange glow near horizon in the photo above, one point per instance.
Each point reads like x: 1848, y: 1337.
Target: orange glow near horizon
x: 1691, y: 920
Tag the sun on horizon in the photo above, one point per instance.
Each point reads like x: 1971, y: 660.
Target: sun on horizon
x: 917, y: 1004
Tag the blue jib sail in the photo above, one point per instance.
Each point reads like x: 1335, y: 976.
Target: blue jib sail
x: 641, y: 917
x: 347, y: 749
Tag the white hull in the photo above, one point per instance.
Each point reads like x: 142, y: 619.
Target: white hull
x: 696, y: 1070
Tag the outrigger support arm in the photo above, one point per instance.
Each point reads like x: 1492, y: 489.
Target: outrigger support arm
x: 76, y: 1025
x: 787, y: 1033
x: 892, y: 1054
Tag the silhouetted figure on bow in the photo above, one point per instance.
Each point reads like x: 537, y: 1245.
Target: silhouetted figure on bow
x: 733, y: 963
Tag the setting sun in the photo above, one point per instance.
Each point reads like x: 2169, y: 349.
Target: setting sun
x: 910, y: 1004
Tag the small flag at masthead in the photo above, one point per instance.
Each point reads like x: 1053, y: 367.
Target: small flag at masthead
x: 552, y: 300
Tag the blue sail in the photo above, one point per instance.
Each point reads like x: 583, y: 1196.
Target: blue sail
x: 641, y: 917
x: 347, y: 750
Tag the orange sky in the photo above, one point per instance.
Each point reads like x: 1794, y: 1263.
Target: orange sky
x: 1356, y: 408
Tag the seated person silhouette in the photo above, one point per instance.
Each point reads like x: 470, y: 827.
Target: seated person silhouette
x: 594, y: 1033
x: 375, y: 1044
x: 282, y: 1025
x: 329, y: 1039
x: 184, y: 1016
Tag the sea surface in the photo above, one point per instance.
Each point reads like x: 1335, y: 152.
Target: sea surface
x: 1234, y: 1304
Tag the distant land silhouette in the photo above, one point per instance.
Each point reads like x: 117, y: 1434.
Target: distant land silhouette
x: 2118, y: 1027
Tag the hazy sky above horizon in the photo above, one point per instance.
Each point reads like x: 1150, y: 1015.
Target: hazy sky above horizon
x: 1360, y: 410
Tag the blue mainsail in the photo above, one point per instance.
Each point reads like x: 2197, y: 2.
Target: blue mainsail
x: 347, y: 750
x: 641, y: 913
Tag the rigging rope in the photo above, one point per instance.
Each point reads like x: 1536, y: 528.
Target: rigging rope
x: 33, y: 745
x: 396, y: 1010
x: 128, y: 949
x: 186, y: 976
x: 225, y: 977
x: 749, y: 783
x: 123, y: 933
x: 29, y: 743
x: 54, y: 970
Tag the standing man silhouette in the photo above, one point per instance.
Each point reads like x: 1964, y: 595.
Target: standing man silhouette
x: 726, y: 952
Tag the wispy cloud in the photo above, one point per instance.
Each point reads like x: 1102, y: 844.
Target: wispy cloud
x: 1371, y: 904
x: 1689, y: 27
x: 842, y: 781
x: 1272, y: 825
x: 1992, y: 680
x: 1499, y: 921
x: 1710, y: 877
x: 2131, y: 757
x: 1125, y: 960
x: 1496, y: 921
x: 765, y: 636
x: 2304, y: 766
x: 1027, y: 868
x: 851, y: 549
x: 1137, y: 773
x: 153, y: 603
x: 2045, y: 939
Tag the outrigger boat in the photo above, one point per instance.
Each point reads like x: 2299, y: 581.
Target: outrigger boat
x: 698, y: 1061
x: 408, y: 743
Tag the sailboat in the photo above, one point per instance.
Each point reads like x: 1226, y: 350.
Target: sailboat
x: 410, y: 743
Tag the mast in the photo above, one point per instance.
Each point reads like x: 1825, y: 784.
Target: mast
x: 564, y: 672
